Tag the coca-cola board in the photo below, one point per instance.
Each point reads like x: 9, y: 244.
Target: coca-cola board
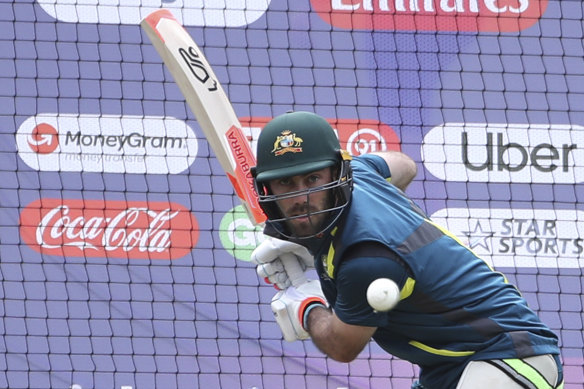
x: 108, y: 229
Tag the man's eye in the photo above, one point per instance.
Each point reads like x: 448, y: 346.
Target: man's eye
x: 313, y: 178
x: 284, y: 182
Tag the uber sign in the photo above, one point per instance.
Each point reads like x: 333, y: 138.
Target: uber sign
x: 480, y: 152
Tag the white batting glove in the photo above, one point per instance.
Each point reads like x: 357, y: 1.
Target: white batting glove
x: 291, y: 308
x: 270, y: 256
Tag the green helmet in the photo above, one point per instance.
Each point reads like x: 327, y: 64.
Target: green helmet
x: 295, y: 143
x: 298, y: 143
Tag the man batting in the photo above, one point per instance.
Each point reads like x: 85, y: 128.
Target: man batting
x: 460, y: 321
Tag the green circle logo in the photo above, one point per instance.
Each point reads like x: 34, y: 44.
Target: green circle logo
x: 238, y: 235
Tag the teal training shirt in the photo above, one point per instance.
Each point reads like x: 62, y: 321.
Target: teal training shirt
x: 454, y: 307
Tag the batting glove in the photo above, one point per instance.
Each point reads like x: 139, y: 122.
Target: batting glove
x: 272, y: 257
x: 291, y: 308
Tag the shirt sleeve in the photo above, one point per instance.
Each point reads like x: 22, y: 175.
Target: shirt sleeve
x: 353, y: 279
x: 372, y: 161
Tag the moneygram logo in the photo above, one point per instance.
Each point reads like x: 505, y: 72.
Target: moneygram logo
x: 209, y: 13
x: 106, y: 144
x: 431, y: 15
x: 238, y: 235
x: 480, y: 152
x: 43, y: 139
x: 519, y: 237
x: 356, y: 136
x: 109, y: 229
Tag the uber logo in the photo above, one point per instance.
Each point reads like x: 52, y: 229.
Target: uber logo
x: 480, y: 152
x: 537, y: 157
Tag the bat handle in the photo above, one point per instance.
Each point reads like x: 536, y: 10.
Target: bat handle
x: 293, y: 269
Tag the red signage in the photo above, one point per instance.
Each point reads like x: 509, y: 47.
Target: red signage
x: 357, y: 136
x: 109, y: 229
x: 431, y: 15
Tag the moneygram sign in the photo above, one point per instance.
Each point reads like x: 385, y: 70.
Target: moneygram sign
x: 505, y: 153
x: 357, y: 136
x: 431, y: 15
x: 109, y: 229
x: 106, y: 144
x: 503, y: 237
x: 209, y: 13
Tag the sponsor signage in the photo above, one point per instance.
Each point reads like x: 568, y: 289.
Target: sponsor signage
x: 238, y: 235
x: 109, y: 229
x: 516, y: 238
x: 357, y: 136
x: 505, y: 153
x: 106, y: 144
x: 209, y: 13
x: 431, y: 15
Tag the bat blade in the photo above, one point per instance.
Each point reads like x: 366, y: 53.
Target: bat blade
x: 207, y: 99
x: 215, y: 114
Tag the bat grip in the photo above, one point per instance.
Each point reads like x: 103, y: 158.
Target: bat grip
x: 293, y: 269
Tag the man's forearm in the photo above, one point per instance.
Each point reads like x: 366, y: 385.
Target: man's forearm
x: 340, y: 341
x: 319, y: 328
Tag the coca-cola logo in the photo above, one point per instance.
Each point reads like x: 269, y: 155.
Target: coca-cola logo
x: 111, y: 229
x: 431, y: 15
x: 357, y: 136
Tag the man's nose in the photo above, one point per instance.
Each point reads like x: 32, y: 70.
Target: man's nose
x: 300, y: 186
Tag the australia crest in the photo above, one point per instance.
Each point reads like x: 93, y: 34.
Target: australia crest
x: 286, y: 142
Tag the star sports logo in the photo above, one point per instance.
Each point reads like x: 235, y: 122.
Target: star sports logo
x: 507, y: 237
x: 431, y: 15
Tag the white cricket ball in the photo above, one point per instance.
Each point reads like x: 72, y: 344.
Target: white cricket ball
x: 383, y: 294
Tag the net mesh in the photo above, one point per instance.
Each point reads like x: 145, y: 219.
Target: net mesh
x: 124, y: 254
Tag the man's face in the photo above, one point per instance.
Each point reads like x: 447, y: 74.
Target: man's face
x: 304, y: 204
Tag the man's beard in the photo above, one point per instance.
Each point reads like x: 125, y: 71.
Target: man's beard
x: 306, y: 219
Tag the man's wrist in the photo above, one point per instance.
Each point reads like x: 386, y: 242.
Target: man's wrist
x: 307, y: 313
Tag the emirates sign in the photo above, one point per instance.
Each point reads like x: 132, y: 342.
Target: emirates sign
x: 431, y: 15
x: 109, y: 229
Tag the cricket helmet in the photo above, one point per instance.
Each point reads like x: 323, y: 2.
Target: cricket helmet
x: 298, y: 143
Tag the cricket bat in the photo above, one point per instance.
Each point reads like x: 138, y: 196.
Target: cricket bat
x: 214, y: 113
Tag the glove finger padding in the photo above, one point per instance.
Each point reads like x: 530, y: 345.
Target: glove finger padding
x: 274, y: 273
x: 280, y: 280
x: 291, y: 305
x: 267, y: 270
x: 279, y: 264
x: 272, y: 248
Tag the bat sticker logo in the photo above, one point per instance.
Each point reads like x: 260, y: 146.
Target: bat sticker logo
x: 197, y: 67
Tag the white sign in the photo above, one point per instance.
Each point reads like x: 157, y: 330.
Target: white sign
x: 210, y: 13
x: 106, y: 144
x: 545, y: 238
x: 480, y: 152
